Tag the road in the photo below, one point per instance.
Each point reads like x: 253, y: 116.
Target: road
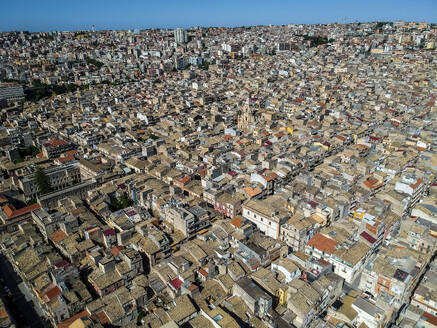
x: 22, y: 311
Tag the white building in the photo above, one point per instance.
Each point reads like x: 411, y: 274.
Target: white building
x: 368, y: 313
x: 267, y: 214
x: 180, y: 35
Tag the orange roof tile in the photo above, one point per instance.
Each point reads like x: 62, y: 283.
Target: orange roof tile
x: 103, y: 318
x: 432, y: 319
x: 323, y: 243
x: 55, y: 143
x: 417, y: 184
x: 58, y: 236
x: 202, y: 172
x: 116, y: 250
x: 3, y: 198
x: 184, y: 180
x: 69, y: 321
x: 11, y: 212
x: 53, y: 292
x: 237, y: 222
x: 252, y: 192
x: 71, y: 152
x: 267, y: 178
x: 66, y: 159
x: 203, y: 272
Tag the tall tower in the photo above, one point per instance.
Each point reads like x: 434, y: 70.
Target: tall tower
x: 180, y: 35
x: 247, y: 116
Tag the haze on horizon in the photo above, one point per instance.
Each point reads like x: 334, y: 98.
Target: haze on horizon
x: 49, y: 15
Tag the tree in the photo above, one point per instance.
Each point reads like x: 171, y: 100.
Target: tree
x: 120, y: 203
x: 42, y: 181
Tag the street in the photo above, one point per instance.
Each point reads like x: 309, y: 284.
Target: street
x: 22, y: 311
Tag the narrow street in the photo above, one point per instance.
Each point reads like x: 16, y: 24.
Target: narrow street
x: 21, y: 310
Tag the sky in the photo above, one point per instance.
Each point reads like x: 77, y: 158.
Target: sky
x: 49, y: 15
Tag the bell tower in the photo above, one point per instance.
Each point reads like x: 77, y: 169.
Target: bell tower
x: 246, y: 117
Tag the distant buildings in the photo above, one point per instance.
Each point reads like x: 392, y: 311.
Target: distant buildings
x: 256, y: 176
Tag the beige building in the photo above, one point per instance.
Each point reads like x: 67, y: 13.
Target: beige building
x: 60, y: 177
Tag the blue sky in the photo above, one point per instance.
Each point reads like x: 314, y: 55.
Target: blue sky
x: 47, y: 15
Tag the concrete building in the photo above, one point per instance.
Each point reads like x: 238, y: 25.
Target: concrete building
x: 268, y: 214
x: 188, y: 221
x: 180, y: 35
x: 258, y: 301
x: 60, y: 177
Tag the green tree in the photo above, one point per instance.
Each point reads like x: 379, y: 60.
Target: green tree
x: 42, y: 181
x: 94, y: 62
x: 120, y: 203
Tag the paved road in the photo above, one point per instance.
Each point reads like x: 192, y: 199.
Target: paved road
x: 22, y: 311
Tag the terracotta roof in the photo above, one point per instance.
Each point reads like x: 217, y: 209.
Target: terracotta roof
x: 203, y: 272
x: 237, y: 222
x: 202, y: 172
x: 53, y: 292
x: 66, y: 159
x: 69, y: 321
x: 432, y: 319
x: 71, y: 152
x: 415, y: 185
x: 184, y: 180
x: 116, y: 250
x: 3, y: 199
x: 252, y: 191
x: 372, y: 183
x: 269, y: 177
x: 323, y: 243
x: 55, y: 143
x: 58, y: 236
x: 11, y: 212
x: 103, y: 318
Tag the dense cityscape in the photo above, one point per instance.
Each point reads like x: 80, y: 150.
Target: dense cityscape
x: 256, y: 176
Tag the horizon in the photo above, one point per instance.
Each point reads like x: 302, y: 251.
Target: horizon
x: 212, y: 26
x: 51, y: 15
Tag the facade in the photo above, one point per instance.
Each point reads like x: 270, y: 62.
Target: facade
x: 188, y: 221
x: 297, y: 231
x: 267, y: 214
x: 11, y: 92
x: 258, y: 301
x: 180, y: 35
x: 59, y: 177
x: 53, y: 148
